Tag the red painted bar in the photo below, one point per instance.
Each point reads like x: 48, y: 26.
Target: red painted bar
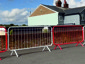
x: 3, y: 42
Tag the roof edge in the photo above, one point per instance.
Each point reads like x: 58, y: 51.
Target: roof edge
x: 48, y: 8
x: 43, y: 6
x: 82, y: 10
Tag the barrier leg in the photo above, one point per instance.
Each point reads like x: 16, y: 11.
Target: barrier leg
x: 14, y: 52
x: 0, y: 58
x: 47, y: 48
x: 79, y: 43
x: 55, y: 47
x: 11, y: 53
x: 58, y: 46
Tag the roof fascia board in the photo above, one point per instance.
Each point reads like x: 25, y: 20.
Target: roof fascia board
x: 48, y: 8
x: 82, y: 10
x: 72, y: 14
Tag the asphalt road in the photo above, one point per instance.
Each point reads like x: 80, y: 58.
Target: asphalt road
x: 69, y: 55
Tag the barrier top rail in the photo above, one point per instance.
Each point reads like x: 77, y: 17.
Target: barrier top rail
x: 31, y: 26
x: 68, y: 26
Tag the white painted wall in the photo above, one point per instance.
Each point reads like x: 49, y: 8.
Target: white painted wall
x: 47, y: 19
x: 72, y: 19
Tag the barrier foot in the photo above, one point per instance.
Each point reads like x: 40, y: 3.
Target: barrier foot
x: 55, y: 47
x: 47, y: 48
x: 58, y: 46
x: 14, y: 52
x: 80, y: 43
x: 0, y: 58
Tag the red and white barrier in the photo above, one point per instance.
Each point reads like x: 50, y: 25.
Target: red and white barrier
x: 3, y: 40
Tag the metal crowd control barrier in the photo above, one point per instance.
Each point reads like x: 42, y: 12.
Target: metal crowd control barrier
x: 3, y: 40
x: 67, y: 35
x: 84, y: 35
x: 20, y: 38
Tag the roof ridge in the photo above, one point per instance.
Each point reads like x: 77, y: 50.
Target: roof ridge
x: 46, y: 5
x: 54, y: 6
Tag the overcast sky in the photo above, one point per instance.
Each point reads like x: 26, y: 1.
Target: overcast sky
x: 17, y: 11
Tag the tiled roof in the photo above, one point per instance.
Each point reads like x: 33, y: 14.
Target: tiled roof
x: 67, y: 11
x: 58, y: 9
x: 74, y: 10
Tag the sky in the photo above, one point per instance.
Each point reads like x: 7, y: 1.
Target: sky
x: 17, y: 11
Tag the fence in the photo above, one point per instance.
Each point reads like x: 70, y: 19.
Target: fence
x: 3, y: 40
x: 20, y: 38
x: 67, y: 35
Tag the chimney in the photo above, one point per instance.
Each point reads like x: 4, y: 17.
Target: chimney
x: 58, y: 3
x: 66, y: 5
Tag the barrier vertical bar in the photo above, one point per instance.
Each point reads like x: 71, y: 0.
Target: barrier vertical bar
x: 0, y: 58
x: 84, y: 34
x: 3, y: 34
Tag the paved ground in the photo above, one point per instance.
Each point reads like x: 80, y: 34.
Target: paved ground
x: 69, y: 55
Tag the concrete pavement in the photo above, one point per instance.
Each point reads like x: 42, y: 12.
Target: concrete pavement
x: 69, y: 55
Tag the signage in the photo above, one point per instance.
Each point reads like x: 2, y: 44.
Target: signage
x: 2, y: 31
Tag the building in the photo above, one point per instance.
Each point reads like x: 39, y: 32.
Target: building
x: 57, y: 15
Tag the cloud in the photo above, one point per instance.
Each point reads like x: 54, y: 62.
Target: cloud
x: 73, y: 3
x: 15, y: 16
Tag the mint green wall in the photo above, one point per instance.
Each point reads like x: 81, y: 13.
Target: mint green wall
x: 47, y: 19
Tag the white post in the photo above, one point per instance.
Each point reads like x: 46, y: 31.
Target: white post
x: 14, y: 52
x: 47, y: 48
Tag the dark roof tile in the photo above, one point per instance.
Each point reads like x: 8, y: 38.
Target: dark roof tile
x: 74, y: 10
x: 67, y: 11
x: 58, y: 9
